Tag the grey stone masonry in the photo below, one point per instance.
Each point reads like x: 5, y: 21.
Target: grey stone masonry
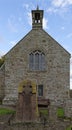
x: 68, y: 108
x: 56, y: 76
x: 37, y: 18
x: 2, y: 81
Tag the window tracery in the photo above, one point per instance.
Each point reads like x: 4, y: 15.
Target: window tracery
x: 37, y: 60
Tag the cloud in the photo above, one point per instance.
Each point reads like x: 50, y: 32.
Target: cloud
x: 12, y: 24
x: 56, y: 10
x: 29, y: 6
x: 1, y: 39
x: 61, y: 3
x: 71, y: 61
x: 29, y: 18
x: 69, y: 35
x: 12, y: 43
x: 59, y: 6
x: 70, y: 83
x: 45, y: 23
x: 71, y: 72
x: 53, y: 10
x: 62, y: 28
x: 26, y: 6
x: 19, y: 19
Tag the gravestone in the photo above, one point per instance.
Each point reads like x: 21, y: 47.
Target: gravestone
x: 27, y: 102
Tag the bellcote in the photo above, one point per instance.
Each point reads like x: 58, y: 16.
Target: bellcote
x: 37, y: 18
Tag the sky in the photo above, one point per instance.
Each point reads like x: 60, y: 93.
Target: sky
x: 16, y: 22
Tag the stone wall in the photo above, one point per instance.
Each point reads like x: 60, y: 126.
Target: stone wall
x: 70, y: 93
x: 50, y: 125
x: 68, y: 108
x: 2, y: 82
x: 55, y: 78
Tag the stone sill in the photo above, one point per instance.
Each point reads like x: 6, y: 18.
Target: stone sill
x: 37, y: 71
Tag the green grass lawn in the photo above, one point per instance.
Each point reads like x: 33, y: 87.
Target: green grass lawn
x: 60, y: 112
x: 69, y: 128
x: 4, y: 111
x: 44, y: 112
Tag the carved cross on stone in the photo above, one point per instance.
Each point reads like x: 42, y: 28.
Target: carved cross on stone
x: 27, y: 89
x: 26, y: 110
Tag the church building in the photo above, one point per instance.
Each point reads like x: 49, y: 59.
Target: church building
x: 41, y: 60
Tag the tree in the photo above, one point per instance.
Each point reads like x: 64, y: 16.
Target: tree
x: 2, y: 59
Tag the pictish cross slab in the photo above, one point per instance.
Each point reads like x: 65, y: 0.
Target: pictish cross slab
x: 27, y: 89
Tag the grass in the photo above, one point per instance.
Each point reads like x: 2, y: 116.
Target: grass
x: 4, y: 111
x: 60, y: 112
x: 69, y: 128
x: 43, y: 112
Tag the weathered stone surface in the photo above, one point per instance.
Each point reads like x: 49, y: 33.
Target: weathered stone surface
x: 2, y: 82
x: 68, y: 108
x: 71, y: 93
x: 50, y: 125
x: 55, y: 78
x: 26, y: 107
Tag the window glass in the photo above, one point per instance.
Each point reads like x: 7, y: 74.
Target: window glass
x: 40, y: 90
x: 37, y: 61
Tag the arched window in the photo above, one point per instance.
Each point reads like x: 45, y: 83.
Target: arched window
x: 37, y: 60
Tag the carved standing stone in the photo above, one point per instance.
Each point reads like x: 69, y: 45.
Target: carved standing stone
x: 26, y: 108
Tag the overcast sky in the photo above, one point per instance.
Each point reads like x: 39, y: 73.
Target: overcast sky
x: 15, y: 22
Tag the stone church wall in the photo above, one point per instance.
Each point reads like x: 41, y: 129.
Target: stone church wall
x: 2, y: 82
x: 55, y: 78
x: 68, y: 108
x: 50, y: 125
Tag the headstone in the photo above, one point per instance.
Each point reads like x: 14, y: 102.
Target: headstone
x: 27, y: 102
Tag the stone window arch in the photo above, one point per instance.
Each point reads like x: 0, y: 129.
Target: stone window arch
x: 37, y: 60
